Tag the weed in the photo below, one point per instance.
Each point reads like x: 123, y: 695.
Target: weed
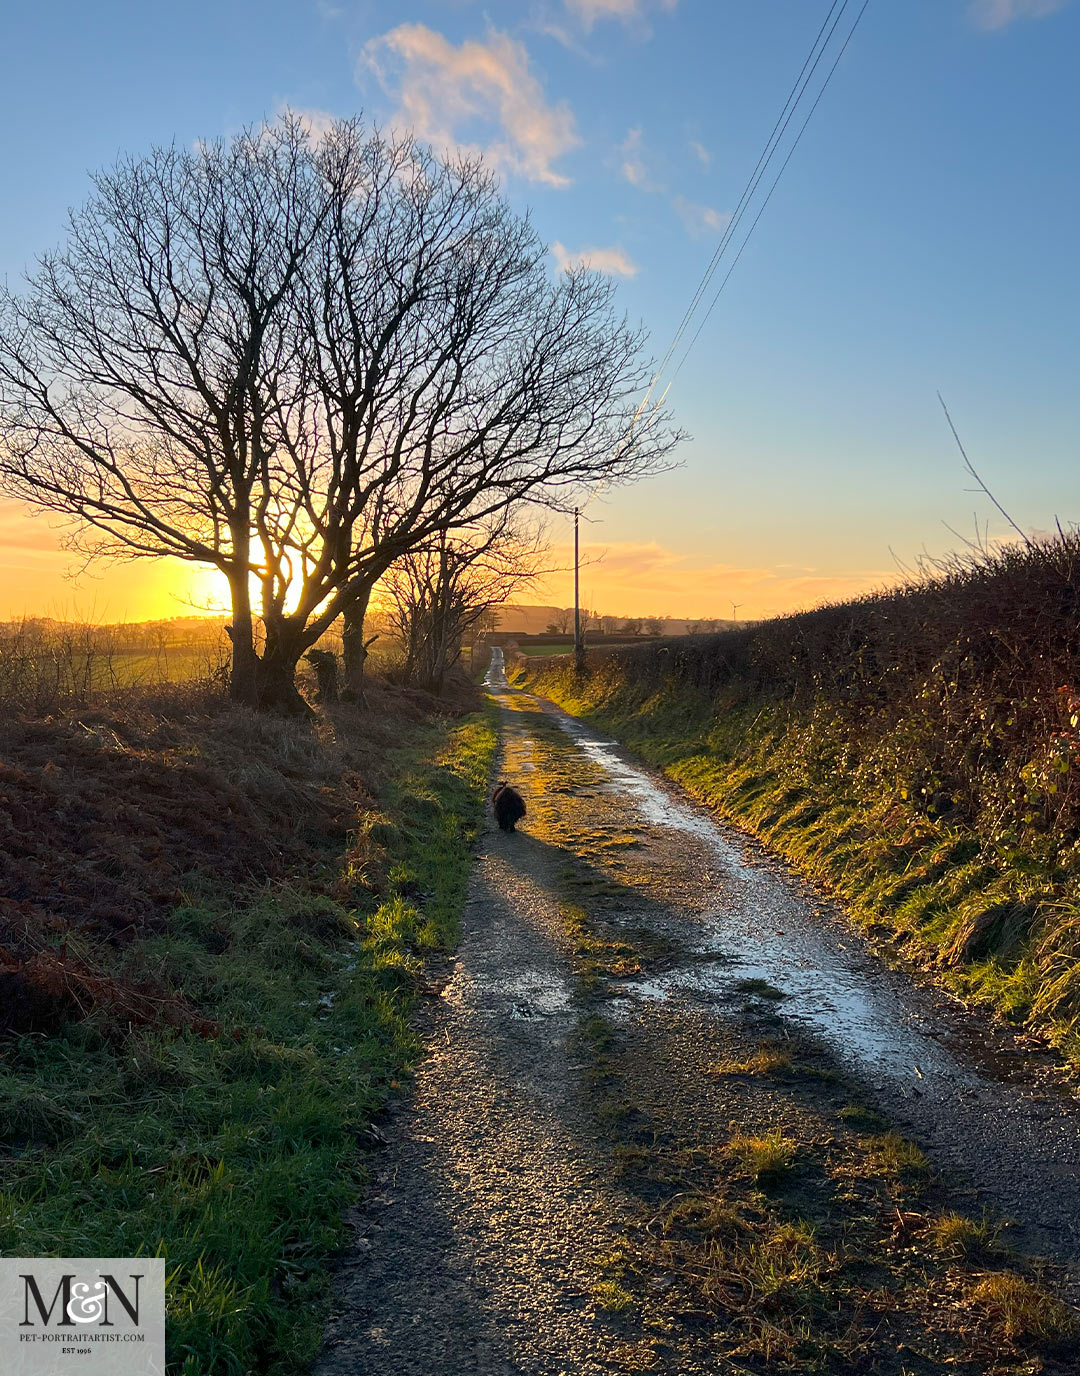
x: 857, y: 1115
x: 766, y: 1159
x: 759, y: 989
x: 766, y: 1060
x: 957, y: 1235
x: 598, y: 955
x: 1017, y: 1308
x: 611, y: 1296
x: 891, y: 1154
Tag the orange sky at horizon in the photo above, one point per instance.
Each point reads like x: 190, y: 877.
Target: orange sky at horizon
x: 41, y: 578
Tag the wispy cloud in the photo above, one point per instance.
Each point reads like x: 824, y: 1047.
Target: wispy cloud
x: 701, y: 220
x: 611, y: 260
x: 316, y: 123
x: 476, y: 96
x: 998, y: 14
x: 700, y: 152
x: 649, y: 579
x: 588, y: 12
x: 633, y: 166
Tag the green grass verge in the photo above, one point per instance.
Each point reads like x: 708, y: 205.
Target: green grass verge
x: 999, y: 923
x: 234, y: 1156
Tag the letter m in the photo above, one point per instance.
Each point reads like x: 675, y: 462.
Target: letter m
x: 31, y: 1288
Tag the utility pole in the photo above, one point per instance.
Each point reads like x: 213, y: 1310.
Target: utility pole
x: 579, y: 647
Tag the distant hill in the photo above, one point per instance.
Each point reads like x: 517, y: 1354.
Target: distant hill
x: 534, y: 620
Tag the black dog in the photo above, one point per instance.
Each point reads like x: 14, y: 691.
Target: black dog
x: 509, y: 806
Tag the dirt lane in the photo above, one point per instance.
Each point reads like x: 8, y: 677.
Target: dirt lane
x: 614, y: 952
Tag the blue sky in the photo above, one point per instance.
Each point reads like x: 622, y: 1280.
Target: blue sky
x: 923, y: 237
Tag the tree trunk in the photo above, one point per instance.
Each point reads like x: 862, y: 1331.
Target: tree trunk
x: 354, y: 651
x: 275, y: 673
x: 243, y: 686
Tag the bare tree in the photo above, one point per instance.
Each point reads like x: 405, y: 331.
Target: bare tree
x: 609, y: 624
x: 296, y: 360
x: 436, y: 594
x: 632, y: 625
x: 477, y: 633
x: 654, y: 625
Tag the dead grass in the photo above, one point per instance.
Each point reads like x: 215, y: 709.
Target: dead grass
x: 111, y: 816
x: 766, y: 1060
x: 1017, y: 1308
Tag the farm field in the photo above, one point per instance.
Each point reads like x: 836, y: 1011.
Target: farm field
x: 538, y: 651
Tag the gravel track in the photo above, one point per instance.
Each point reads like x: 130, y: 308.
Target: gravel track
x: 476, y: 1250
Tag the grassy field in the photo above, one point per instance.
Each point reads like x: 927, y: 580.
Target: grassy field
x: 221, y: 1128
x: 47, y: 665
x: 541, y: 651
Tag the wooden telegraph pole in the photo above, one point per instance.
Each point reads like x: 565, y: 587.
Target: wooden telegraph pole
x: 579, y: 645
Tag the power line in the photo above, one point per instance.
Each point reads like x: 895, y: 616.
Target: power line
x: 795, y: 97
x: 790, y: 105
x: 776, y: 180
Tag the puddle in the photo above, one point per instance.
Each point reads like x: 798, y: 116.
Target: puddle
x: 522, y: 994
x: 496, y: 673
x: 765, y: 931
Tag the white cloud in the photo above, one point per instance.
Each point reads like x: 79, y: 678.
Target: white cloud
x: 479, y: 96
x: 315, y: 123
x: 700, y: 152
x: 587, y: 12
x: 701, y: 220
x: 610, y: 260
x: 633, y: 165
x: 997, y: 14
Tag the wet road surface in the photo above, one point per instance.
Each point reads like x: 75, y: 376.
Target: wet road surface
x: 971, y: 1090
x: 476, y: 1252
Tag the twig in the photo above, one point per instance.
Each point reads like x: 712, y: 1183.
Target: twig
x: 974, y: 473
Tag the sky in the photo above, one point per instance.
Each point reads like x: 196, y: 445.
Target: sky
x: 922, y: 239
